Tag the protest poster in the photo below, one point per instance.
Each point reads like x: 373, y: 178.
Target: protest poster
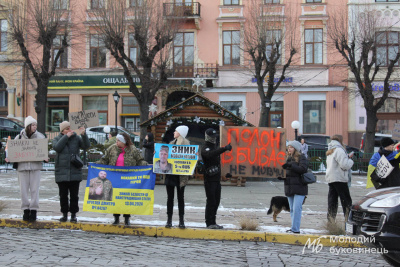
x: 383, y: 167
x: 396, y: 131
x: 120, y: 190
x: 256, y: 151
x: 175, y: 159
x: 22, y: 150
x: 85, y: 118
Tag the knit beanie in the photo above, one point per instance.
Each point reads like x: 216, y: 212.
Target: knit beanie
x: 295, y: 144
x: 182, y: 130
x: 29, y: 120
x: 64, y: 125
x: 386, y: 141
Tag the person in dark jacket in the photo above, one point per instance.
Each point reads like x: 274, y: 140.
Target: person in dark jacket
x: 210, y: 154
x: 388, y: 150
x: 148, y: 144
x: 296, y: 164
x: 67, y: 175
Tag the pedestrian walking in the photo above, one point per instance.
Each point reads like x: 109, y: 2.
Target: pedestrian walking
x: 148, y: 144
x: 68, y: 175
x: 304, y: 147
x: 122, y: 153
x: 388, y: 150
x: 178, y: 181
x: 338, y: 166
x: 296, y: 164
x: 29, y: 174
x: 112, y: 139
x: 210, y: 154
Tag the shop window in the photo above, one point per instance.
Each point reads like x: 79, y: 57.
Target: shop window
x: 131, y: 123
x: 391, y: 105
x: 96, y: 4
x: 313, y: 1
x: 313, y: 46
x: 57, y: 44
x: 3, y: 38
x: 387, y: 47
x: 273, y: 38
x: 60, y: 4
x: 272, y: 1
x: 56, y: 112
x: 232, y: 106
x: 130, y: 105
x: 314, y: 117
x: 134, y: 3
x: 3, y: 98
x: 98, y: 52
x: 231, y: 2
x: 231, y: 47
x: 100, y: 103
x: 386, y: 0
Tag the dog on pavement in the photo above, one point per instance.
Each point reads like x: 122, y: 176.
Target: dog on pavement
x: 278, y: 204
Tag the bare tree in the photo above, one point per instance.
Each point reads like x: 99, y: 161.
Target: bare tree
x: 357, y: 35
x: 145, y: 25
x: 269, y: 29
x: 34, y: 25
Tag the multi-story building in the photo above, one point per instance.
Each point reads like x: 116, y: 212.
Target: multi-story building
x: 210, y: 46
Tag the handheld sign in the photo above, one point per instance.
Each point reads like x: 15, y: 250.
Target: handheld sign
x: 383, y: 167
x: 85, y: 118
x: 175, y: 159
x: 256, y: 151
x: 22, y: 150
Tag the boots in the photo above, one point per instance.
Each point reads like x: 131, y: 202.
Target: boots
x: 169, y: 222
x: 116, y: 220
x: 64, y: 218
x: 181, y: 222
x: 32, y: 216
x: 127, y: 221
x: 25, y: 217
x: 73, y: 218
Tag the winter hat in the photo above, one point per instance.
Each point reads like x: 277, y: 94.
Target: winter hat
x: 211, y: 136
x: 386, y: 141
x: 295, y: 144
x: 64, y: 125
x: 29, y: 120
x: 121, y: 138
x: 182, y: 130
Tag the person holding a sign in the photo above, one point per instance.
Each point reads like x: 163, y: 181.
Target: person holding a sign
x: 163, y: 166
x: 148, y: 144
x: 296, y: 164
x: 178, y: 181
x: 338, y: 166
x: 123, y: 153
x: 68, y: 175
x: 112, y: 139
x: 388, y: 176
x: 210, y: 154
x: 29, y: 174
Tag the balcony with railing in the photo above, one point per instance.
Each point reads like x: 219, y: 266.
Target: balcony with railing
x: 183, y: 10
x: 203, y: 70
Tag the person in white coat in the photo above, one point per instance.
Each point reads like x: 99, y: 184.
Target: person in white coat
x: 338, y: 165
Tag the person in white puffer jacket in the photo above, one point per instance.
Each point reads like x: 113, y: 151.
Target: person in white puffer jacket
x: 338, y: 165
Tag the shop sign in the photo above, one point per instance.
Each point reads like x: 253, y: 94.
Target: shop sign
x: 91, y: 82
x: 378, y: 87
x: 286, y: 80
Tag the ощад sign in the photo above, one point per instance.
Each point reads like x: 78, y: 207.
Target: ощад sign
x: 21, y: 150
x: 256, y: 151
x: 91, y: 82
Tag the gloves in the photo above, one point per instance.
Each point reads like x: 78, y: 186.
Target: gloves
x: 287, y: 165
x: 228, y: 147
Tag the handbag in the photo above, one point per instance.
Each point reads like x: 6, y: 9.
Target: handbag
x: 76, y: 161
x: 308, y: 177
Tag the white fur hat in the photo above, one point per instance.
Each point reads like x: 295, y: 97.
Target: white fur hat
x: 182, y: 130
x: 29, y: 120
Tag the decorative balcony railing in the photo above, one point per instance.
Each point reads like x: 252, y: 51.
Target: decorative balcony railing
x: 204, y: 70
x: 182, y: 9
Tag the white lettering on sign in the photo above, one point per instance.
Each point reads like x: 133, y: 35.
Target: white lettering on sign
x: 383, y: 167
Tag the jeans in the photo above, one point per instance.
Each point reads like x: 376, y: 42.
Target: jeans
x: 71, y: 188
x: 213, y: 194
x: 296, y: 206
x: 341, y: 190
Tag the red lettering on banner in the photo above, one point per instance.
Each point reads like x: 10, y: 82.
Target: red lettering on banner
x: 239, y: 154
x: 230, y: 135
x: 227, y: 157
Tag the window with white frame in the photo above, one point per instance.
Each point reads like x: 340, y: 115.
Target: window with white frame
x: 314, y: 117
x: 273, y: 39
x: 313, y: 46
x: 231, y: 2
x: 96, y: 4
x: 133, y: 49
x: 98, y: 52
x: 134, y: 3
x: 60, y: 4
x: 3, y: 39
x: 231, y: 47
x: 57, y: 44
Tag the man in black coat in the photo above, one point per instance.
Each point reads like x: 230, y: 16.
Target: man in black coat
x: 210, y: 154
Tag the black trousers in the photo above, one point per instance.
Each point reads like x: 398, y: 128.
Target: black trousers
x: 341, y: 190
x: 213, y: 194
x: 71, y: 189
x: 170, y: 199
x: 125, y: 215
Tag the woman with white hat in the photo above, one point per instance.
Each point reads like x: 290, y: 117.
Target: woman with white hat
x: 29, y: 174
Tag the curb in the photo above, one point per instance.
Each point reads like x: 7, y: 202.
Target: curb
x: 195, y: 233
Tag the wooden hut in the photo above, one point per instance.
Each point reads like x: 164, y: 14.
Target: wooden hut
x: 198, y: 113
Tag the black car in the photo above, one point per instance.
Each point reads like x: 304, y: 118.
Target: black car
x: 377, y: 217
x: 10, y: 127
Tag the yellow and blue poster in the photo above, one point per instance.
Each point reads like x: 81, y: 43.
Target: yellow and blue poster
x: 175, y: 159
x: 120, y: 190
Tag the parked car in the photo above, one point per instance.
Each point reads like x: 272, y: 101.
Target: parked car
x: 377, y: 144
x: 376, y: 216
x: 97, y: 135
x: 10, y: 127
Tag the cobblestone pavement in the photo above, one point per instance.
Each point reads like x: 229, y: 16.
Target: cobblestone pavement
x: 31, y: 247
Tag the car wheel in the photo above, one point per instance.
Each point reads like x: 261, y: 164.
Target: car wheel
x: 391, y: 261
x: 93, y: 141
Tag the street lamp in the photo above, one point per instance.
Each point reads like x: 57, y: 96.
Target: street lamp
x: 116, y: 97
x: 295, y: 126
